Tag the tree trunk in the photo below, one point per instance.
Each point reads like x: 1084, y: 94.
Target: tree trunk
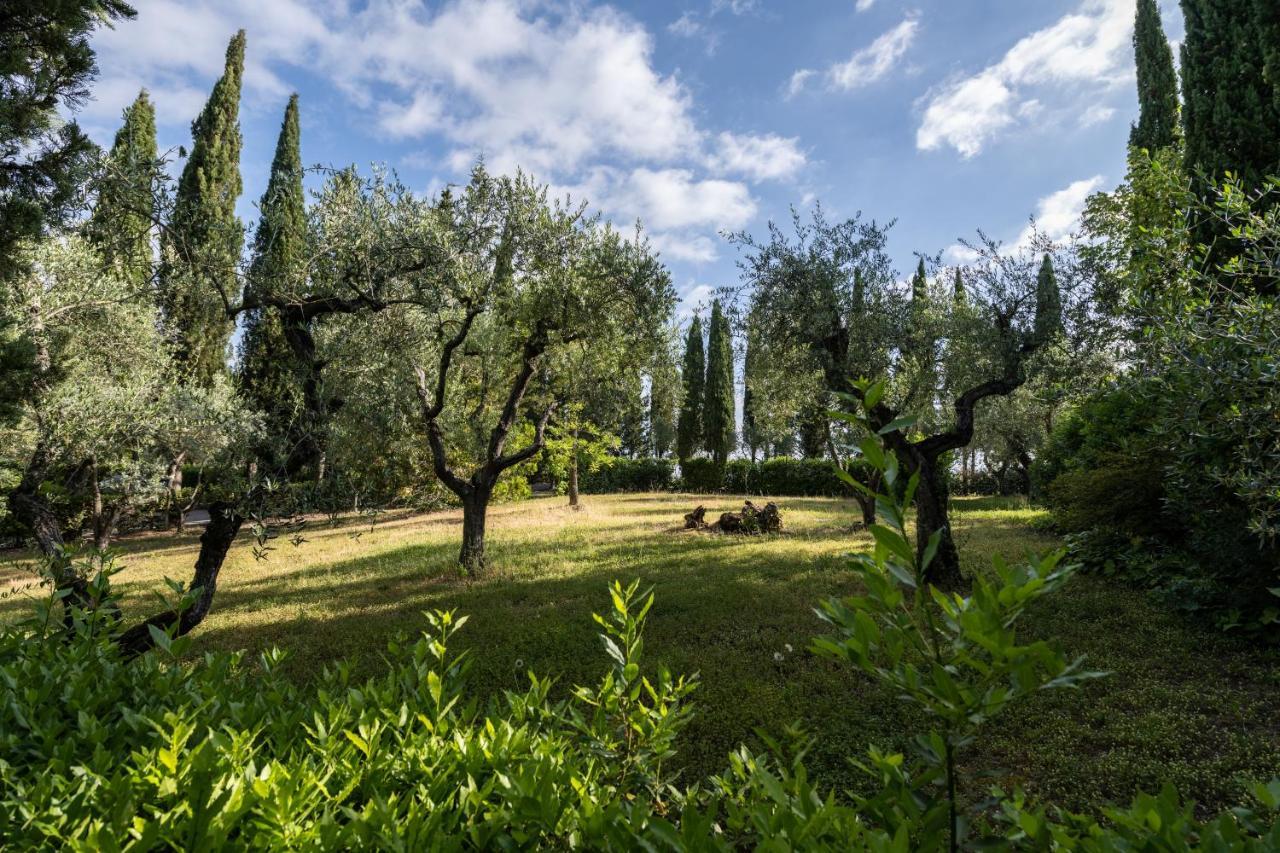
x: 215, y: 542
x: 175, y: 490
x: 475, y: 506
x: 573, y: 471
x: 931, y: 517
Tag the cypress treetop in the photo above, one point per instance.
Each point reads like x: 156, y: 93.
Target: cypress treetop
x: 693, y: 372
x: 1157, y: 125
x: 720, y: 427
x: 203, y: 242
x: 270, y: 375
x: 123, y: 216
x: 1048, y: 320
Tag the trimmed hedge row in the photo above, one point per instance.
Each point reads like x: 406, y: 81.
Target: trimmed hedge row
x: 777, y: 476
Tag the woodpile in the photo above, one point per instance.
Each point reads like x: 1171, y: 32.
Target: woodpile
x: 750, y: 521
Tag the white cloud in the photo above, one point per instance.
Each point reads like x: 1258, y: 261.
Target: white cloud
x: 698, y: 249
x: 693, y: 298
x: 868, y: 64
x: 737, y: 7
x: 570, y: 92
x: 1058, y: 214
x: 669, y: 199
x: 864, y: 5
x: 760, y: 158
x: 798, y: 81
x: 687, y: 26
x: 1083, y: 52
x: 1097, y: 114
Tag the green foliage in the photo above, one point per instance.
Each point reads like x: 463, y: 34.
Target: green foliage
x: 620, y: 474
x: 720, y: 431
x: 1048, y: 321
x: 664, y: 399
x: 1157, y: 125
x: 48, y: 64
x: 701, y: 475
x: 689, y: 427
x: 124, y: 216
x: 779, y: 476
x: 1229, y: 100
x: 269, y: 373
x: 201, y: 247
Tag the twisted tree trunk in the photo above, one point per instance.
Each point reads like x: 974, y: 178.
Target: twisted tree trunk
x: 224, y: 524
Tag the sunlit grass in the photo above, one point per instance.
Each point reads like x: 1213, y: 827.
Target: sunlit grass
x: 1182, y: 705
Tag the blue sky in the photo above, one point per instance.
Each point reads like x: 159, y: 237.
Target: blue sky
x: 695, y: 116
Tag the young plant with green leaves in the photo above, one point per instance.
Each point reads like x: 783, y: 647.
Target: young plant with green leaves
x: 955, y: 656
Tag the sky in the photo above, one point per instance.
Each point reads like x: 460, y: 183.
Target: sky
x: 695, y: 117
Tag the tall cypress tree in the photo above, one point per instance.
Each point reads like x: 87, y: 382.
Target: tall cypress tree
x: 750, y: 435
x: 202, y: 245
x: 957, y: 292
x: 124, y: 214
x: 1231, y: 111
x: 662, y: 402
x: 270, y: 374
x: 1157, y: 125
x: 1048, y: 320
x: 718, y: 422
x: 694, y: 374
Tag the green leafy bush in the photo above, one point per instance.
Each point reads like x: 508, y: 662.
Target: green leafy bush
x: 701, y: 475
x: 781, y: 475
x: 619, y: 474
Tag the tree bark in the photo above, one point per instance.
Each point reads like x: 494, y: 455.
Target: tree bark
x: 932, y: 517
x: 475, y: 508
x: 573, y: 471
x: 215, y: 542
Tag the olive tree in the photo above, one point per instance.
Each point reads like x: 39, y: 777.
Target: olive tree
x: 831, y: 288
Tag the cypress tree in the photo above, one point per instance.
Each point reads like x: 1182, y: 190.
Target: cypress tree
x: 720, y: 428
x: 125, y: 210
x: 694, y: 372
x: 1231, y: 111
x: 48, y: 66
x: 1157, y: 125
x: 662, y: 403
x: 270, y: 376
x: 859, y: 291
x: 919, y: 286
x: 958, y: 290
x: 202, y: 245
x: 750, y: 436
x: 1048, y: 320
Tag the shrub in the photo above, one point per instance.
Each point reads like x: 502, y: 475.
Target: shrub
x: 619, y: 474
x: 701, y: 475
x: 1111, y: 478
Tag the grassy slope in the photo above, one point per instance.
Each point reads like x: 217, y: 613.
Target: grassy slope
x: 1182, y: 706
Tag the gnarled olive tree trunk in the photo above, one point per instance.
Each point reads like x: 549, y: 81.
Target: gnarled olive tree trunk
x: 224, y: 524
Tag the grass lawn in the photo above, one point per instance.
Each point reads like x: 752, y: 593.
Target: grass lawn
x: 1182, y: 705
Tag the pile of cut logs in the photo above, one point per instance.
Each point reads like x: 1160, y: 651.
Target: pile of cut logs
x: 750, y: 521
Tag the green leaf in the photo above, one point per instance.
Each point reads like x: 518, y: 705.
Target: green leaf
x: 897, y: 424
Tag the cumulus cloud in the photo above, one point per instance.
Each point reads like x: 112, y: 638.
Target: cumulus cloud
x: 1083, y: 52
x: 868, y: 64
x: 1058, y: 214
x: 760, y: 158
x: 864, y: 5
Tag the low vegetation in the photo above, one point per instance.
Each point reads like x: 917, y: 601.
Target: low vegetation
x: 1182, y: 704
